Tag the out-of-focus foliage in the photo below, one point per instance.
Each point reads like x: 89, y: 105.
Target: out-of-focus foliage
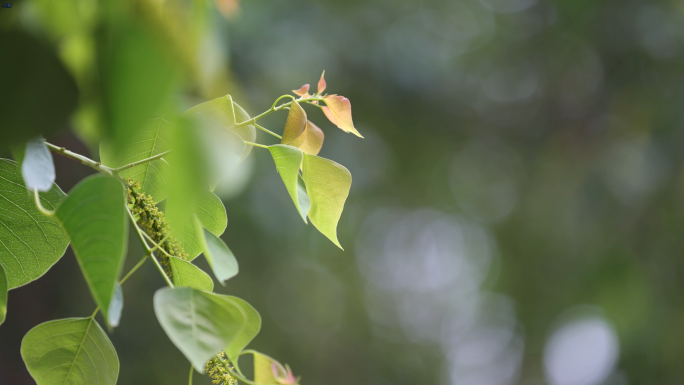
x: 516, y: 211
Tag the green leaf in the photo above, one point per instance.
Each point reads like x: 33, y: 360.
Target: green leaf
x: 211, y: 213
x: 220, y: 110
x: 294, y: 133
x: 94, y: 216
x: 115, y: 307
x: 73, y: 351
x: 219, y: 256
x: 263, y: 369
x: 3, y: 294
x: 148, y: 142
x: 288, y: 159
x: 188, y: 275
x: 37, y: 166
x: 200, y: 324
x: 190, y: 240
x: 327, y: 184
x: 30, y: 243
x: 247, y: 334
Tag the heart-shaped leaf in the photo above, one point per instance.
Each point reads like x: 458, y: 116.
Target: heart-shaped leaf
x: 288, y: 159
x: 247, y: 334
x: 327, y: 184
x: 220, y: 110
x: 3, y: 294
x: 37, y: 166
x: 295, y: 125
x: 200, y: 324
x: 73, y: 351
x: 30, y: 242
x: 339, y: 113
x: 188, y: 275
x: 219, y: 256
x: 313, y: 142
x: 94, y: 215
x: 211, y: 214
x: 152, y: 140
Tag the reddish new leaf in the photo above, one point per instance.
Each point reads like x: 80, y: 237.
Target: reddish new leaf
x: 304, y: 91
x: 321, y: 84
x: 339, y: 113
x: 313, y: 140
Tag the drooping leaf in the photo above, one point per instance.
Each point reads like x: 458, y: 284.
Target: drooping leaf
x: 200, y: 324
x: 288, y: 159
x: 303, y: 197
x: 115, y: 307
x: 327, y: 184
x: 95, y: 218
x: 220, y: 258
x: 191, y: 241
x: 313, y: 142
x: 211, y: 213
x: 295, y: 125
x: 28, y: 107
x: 30, y: 242
x: 37, y: 166
x: 152, y: 140
x: 73, y: 351
x: 3, y: 294
x: 339, y: 113
x: 247, y: 334
x: 321, y: 83
x: 263, y: 369
x: 188, y: 275
x: 220, y: 110
x: 304, y: 90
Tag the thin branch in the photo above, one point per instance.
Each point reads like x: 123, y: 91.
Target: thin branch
x: 143, y: 161
x: 84, y: 160
x: 267, y: 131
x: 39, y: 205
x: 256, y: 144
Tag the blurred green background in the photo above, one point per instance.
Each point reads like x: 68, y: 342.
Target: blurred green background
x: 516, y: 208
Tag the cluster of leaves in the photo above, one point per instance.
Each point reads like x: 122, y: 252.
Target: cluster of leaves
x: 166, y: 162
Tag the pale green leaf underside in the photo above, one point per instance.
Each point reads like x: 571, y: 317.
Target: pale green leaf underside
x: 263, y: 372
x: 288, y: 159
x: 220, y: 258
x: 186, y: 274
x: 37, y: 166
x: 73, y: 351
x: 220, y: 110
x: 211, y: 213
x: 94, y: 215
x: 3, y: 295
x: 327, y: 184
x: 251, y: 329
x: 191, y: 242
x: 30, y: 243
x: 197, y: 322
x: 151, y: 141
x: 115, y: 307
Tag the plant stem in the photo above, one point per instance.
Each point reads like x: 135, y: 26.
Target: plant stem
x: 85, y: 160
x: 267, y: 131
x: 192, y: 370
x: 256, y: 144
x: 143, y: 161
x: 134, y: 269
x: 149, y: 250
x: 39, y: 205
x: 280, y: 107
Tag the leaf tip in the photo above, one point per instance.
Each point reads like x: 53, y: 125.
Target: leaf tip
x: 302, y: 91
x: 321, y: 83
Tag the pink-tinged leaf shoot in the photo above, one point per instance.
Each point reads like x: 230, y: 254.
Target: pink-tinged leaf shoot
x: 313, y: 140
x: 321, y: 84
x: 339, y: 113
x: 295, y: 126
x: 304, y: 91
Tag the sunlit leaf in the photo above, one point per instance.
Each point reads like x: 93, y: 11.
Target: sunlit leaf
x: 304, y: 90
x: 211, y: 213
x: 3, y: 294
x: 321, y: 83
x: 200, y: 324
x: 263, y: 369
x: 73, y: 351
x: 115, y: 306
x: 247, y: 334
x: 94, y: 216
x: 37, y: 166
x: 152, y: 140
x: 295, y: 125
x: 339, y: 113
x: 188, y: 275
x: 30, y: 242
x: 220, y: 110
x: 287, y: 160
x: 219, y: 256
x: 327, y: 184
x: 313, y: 141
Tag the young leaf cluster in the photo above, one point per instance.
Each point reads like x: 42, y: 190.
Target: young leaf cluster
x: 161, y: 166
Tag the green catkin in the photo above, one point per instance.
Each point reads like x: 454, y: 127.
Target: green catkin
x: 217, y: 368
x: 153, y: 222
